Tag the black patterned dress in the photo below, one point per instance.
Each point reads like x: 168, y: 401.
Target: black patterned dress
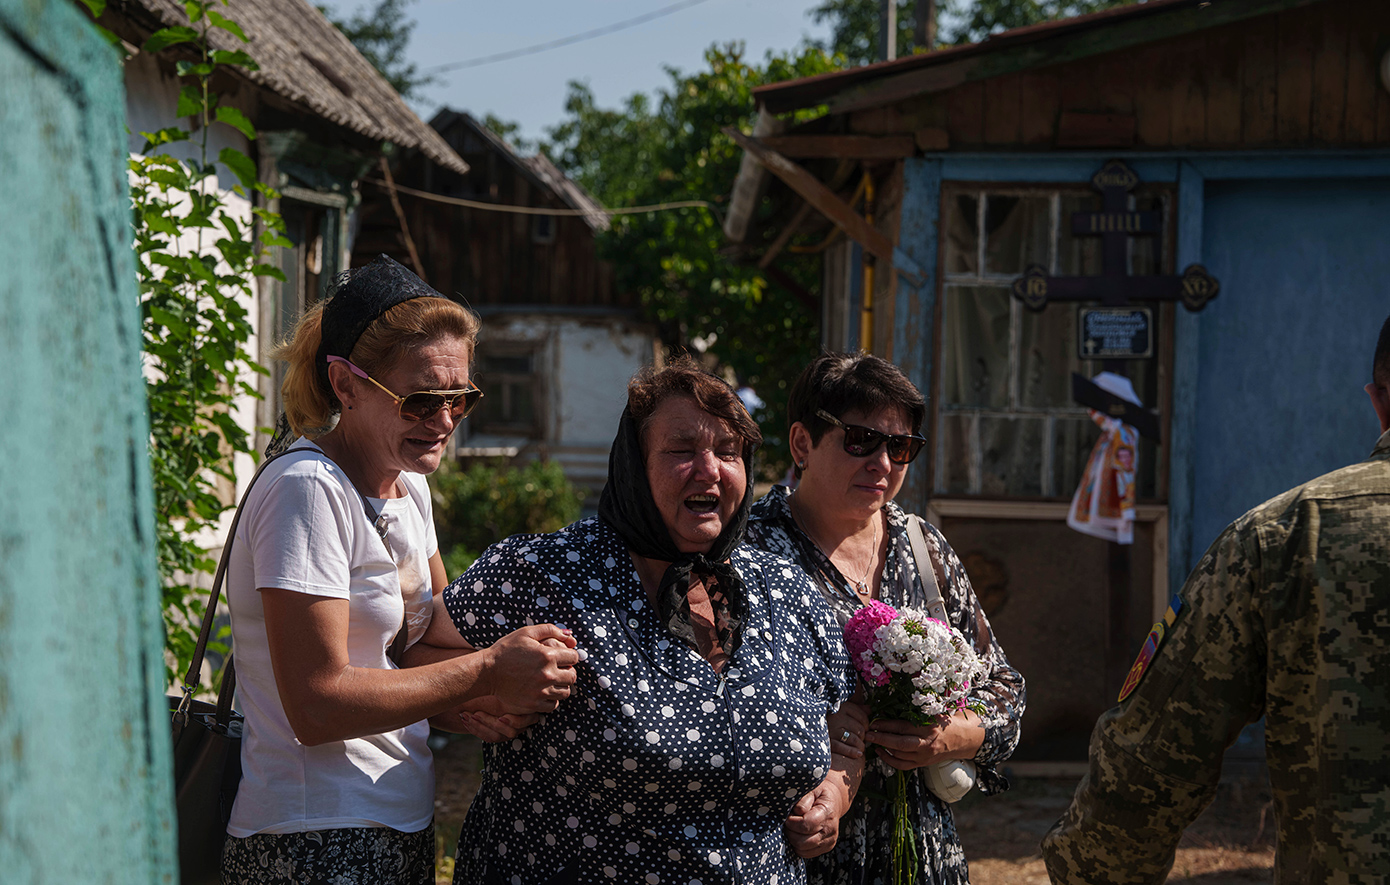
x: 862, y: 855
x: 656, y: 770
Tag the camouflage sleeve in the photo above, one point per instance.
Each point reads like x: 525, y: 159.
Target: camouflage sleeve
x: 1155, y: 760
x: 1002, y: 692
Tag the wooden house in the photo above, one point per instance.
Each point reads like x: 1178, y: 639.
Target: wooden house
x: 516, y: 240
x: 1253, y: 148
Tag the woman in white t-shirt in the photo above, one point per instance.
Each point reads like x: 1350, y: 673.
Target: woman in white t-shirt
x: 335, y: 555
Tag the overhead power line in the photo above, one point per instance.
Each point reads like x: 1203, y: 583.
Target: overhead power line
x: 566, y: 41
x: 534, y: 210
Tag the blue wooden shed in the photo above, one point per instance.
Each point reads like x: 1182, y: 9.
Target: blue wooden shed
x: 1257, y: 130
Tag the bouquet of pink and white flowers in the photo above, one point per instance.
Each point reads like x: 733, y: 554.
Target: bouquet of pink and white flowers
x: 917, y: 669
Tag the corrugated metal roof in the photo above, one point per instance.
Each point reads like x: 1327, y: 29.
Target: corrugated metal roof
x: 306, y: 60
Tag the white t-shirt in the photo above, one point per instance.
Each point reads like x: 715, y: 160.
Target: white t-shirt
x: 303, y: 528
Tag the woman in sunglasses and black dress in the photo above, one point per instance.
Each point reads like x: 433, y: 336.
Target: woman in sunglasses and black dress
x: 855, y: 426
x: 333, y: 558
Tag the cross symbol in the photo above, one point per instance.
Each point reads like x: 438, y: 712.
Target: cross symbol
x: 1115, y: 224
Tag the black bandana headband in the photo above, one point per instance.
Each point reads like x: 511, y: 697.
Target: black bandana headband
x: 627, y: 506
x: 358, y: 298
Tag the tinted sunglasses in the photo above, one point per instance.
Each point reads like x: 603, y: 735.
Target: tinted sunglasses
x: 861, y: 442
x: 422, y: 404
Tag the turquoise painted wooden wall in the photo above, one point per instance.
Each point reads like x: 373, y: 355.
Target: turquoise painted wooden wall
x: 85, y: 792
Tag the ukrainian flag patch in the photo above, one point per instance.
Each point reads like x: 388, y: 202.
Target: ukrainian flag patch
x: 1151, y: 646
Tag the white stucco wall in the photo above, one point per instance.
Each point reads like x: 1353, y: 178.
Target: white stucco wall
x: 586, y: 361
x: 151, y: 102
x: 592, y: 366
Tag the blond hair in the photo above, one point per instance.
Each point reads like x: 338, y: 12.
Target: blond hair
x: 312, y: 409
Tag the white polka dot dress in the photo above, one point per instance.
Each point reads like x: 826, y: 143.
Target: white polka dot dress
x: 656, y: 770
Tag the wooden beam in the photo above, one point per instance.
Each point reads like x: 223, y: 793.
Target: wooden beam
x: 400, y: 216
x: 748, y: 186
x: 855, y: 147
x: 818, y: 195
x: 1078, y: 130
x: 785, y: 236
x: 931, y: 138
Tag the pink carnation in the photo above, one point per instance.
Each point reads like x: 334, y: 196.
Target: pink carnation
x: 859, y: 639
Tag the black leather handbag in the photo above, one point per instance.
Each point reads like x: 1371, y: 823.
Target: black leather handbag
x: 207, y: 737
x: 207, y: 770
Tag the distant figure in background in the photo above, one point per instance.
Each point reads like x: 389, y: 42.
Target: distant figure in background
x: 1285, y: 617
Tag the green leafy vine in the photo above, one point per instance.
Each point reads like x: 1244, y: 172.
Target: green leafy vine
x: 197, y: 265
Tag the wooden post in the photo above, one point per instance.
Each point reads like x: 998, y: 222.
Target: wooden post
x: 924, y: 32
x: 887, y: 30
x: 86, y: 791
x: 400, y: 217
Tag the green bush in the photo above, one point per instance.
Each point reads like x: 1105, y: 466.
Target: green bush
x: 480, y: 506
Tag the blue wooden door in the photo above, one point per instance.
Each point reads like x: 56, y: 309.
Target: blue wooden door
x: 85, y: 792
x: 1286, y: 348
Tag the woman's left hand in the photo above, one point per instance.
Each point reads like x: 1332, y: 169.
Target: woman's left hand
x: 484, y: 718
x: 813, y: 827
x: 905, y: 746
x: 847, y: 726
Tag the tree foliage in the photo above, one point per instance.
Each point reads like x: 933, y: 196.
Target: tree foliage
x: 669, y: 147
x: 480, y: 506
x: 382, y: 33
x: 854, y: 23
x: 977, y: 19
x: 509, y: 131
x: 854, y: 28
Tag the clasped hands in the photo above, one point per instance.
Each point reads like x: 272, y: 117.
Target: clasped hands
x: 814, y: 825
x: 530, y: 672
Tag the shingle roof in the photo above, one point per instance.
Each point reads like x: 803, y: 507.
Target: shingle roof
x: 567, y: 190
x: 542, y: 172
x: 306, y: 60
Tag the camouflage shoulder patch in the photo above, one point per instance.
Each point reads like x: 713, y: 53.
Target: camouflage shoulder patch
x: 1151, y: 646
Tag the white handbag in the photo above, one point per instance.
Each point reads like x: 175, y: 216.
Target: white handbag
x: 950, y: 780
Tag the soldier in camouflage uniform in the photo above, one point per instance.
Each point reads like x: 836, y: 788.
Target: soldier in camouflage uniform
x: 1287, y: 617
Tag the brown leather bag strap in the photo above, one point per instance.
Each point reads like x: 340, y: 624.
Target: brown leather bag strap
x: 191, y: 679
x: 227, y: 689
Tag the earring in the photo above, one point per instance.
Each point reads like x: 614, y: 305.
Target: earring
x: 349, y: 408
x: 800, y: 465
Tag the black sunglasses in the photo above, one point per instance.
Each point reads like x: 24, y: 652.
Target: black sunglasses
x: 861, y: 442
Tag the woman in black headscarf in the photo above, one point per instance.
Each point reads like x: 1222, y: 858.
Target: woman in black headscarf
x: 697, y: 727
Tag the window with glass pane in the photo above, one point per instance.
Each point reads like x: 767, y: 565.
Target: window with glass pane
x: 511, y: 390
x: 1007, y: 425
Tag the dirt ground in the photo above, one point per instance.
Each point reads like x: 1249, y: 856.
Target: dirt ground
x: 1232, y: 843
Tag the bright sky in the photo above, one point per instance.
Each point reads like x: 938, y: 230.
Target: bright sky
x: 531, y: 90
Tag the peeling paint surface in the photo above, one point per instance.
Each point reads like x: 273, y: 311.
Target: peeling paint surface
x: 85, y: 793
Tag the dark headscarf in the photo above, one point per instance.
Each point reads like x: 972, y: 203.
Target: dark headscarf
x: 627, y: 506
x: 358, y: 298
